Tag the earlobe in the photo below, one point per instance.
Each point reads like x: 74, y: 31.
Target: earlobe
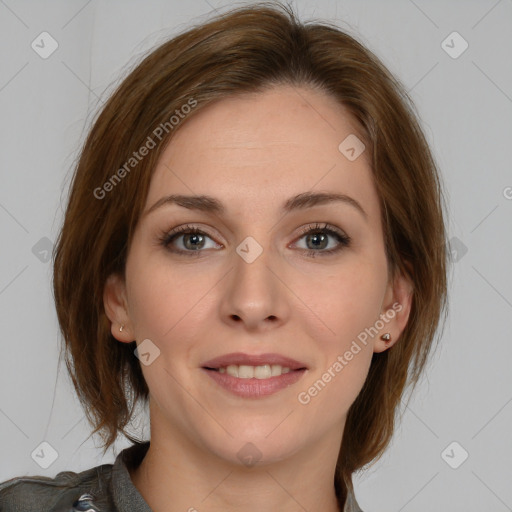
x: 116, y: 308
x: 398, y: 303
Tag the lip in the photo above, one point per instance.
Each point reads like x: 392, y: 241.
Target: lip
x: 255, y: 388
x: 240, y: 358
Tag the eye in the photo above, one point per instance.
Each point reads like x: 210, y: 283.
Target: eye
x: 191, y: 239
x: 317, y: 240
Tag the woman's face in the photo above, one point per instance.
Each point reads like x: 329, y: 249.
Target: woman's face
x: 253, y: 290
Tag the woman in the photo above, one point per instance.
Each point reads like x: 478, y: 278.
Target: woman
x: 254, y: 245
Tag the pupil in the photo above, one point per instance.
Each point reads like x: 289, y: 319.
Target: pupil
x: 195, y: 237
x: 316, y: 236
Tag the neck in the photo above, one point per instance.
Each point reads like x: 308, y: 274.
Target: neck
x: 173, y: 487
x: 176, y: 475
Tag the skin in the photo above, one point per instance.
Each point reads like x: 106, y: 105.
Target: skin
x: 253, y: 152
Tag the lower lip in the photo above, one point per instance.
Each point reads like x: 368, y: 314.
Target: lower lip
x: 255, y: 388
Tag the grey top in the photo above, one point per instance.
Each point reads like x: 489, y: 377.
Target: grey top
x: 105, y: 488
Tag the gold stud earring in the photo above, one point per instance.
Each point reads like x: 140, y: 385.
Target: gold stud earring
x: 386, y: 337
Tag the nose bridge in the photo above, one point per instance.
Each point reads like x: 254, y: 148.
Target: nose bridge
x: 252, y: 261
x: 254, y: 292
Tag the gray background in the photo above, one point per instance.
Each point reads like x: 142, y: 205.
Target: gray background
x: 465, y: 105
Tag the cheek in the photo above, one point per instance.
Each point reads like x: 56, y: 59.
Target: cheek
x: 343, y: 303
x: 163, y: 299
x: 348, y: 304
x: 330, y: 393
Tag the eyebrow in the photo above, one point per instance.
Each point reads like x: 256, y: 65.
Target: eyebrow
x: 302, y: 201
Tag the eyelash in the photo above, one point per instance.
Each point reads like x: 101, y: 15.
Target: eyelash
x: 166, y: 238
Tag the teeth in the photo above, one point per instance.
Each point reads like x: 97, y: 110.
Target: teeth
x: 232, y: 370
x: 254, y: 372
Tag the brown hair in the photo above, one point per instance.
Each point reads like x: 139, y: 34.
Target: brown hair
x: 247, y: 50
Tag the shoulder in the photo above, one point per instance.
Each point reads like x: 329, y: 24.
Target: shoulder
x: 67, y: 492
x: 105, y: 488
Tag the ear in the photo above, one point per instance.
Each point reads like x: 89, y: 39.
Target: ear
x: 116, y: 308
x: 396, y: 309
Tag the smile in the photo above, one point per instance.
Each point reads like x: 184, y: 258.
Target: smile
x: 254, y: 376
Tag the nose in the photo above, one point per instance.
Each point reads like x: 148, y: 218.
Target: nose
x: 255, y: 296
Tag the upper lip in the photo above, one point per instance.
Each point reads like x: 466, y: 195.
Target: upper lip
x: 239, y: 358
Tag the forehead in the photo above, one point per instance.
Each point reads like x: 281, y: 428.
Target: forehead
x: 265, y: 147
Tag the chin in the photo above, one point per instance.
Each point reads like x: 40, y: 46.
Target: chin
x: 255, y: 446
x: 250, y: 454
